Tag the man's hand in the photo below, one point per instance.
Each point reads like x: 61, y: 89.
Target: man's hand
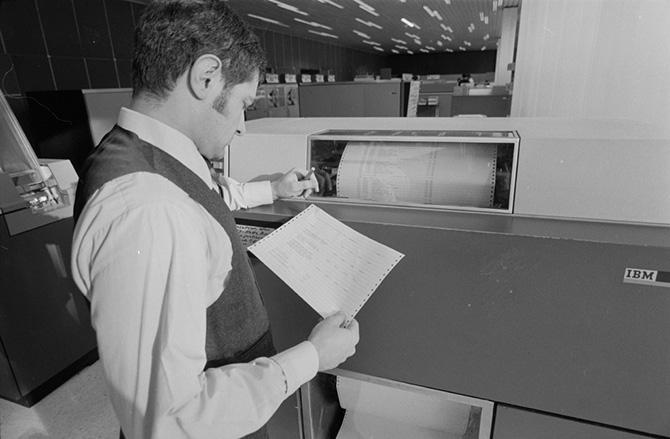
x: 334, y: 343
x: 294, y: 184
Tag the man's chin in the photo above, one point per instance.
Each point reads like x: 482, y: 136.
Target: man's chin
x: 216, y: 156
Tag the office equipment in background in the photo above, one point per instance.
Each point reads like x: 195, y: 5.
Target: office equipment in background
x: 435, y: 97
x: 103, y: 106
x: 274, y: 100
x: 531, y: 305
x: 491, y: 101
x: 350, y: 99
x: 68, y: 124
x: 45, y: 331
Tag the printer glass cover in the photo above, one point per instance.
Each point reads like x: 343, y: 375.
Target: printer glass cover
x: 465, y: 170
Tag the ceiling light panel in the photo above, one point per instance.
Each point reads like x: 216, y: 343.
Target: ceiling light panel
x: 331, y: 3
x: 267, y: 20
x: 288, y: 7
x: 323, y: 34
x: 313, y: 23
x: 367, y: 8
x: 368, y: 23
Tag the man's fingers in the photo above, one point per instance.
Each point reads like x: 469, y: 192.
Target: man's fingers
x: 337, y: 319
x: 353, y: 327
x: 306, y: 184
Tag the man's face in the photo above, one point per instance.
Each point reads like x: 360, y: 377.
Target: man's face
x: 225, y: 118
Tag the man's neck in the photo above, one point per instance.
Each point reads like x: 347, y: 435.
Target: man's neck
x: 171, y: 110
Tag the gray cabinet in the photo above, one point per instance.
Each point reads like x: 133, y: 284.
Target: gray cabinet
x: 353, y: 99
x: 513, y: 423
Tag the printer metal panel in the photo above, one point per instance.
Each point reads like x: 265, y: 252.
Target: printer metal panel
x: 45, y: 325
x: 8, y: 386
x: 256, y: 157
x: 585, y: 169
x: 531, y: 321
x: 602, y: 179
x: 103, y: 107
x: 513, y: 423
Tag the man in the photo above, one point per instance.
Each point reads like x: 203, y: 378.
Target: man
x: 182, y: 333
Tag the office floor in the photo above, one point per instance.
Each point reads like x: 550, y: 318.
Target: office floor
x: 78, y: 409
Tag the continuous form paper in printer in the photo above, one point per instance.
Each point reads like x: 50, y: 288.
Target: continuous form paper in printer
x: 419, y: 172
x: 328, y: 264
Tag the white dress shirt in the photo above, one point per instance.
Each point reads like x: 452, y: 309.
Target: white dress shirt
x: 151, y: 260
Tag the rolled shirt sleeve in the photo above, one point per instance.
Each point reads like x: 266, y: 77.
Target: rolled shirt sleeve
x: 244, y: 195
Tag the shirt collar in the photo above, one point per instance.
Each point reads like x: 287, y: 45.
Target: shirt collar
x: 167, y: 139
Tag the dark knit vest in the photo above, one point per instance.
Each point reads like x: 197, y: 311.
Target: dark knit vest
x: 237, y: 323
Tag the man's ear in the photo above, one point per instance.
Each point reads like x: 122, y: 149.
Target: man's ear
x: 204, y: 75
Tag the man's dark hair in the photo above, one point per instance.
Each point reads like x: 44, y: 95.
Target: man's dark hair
x: 172, y: 34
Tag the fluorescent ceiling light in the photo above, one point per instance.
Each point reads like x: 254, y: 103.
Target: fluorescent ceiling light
x: 361, y: 34
x: 368, y: 23
x: 288, y: 7
x: 367, y: 8
x: 409, y: 23
x: 323, y: 34
x: 313, y: 23
x: 332, y: 3
x: 267, y: 20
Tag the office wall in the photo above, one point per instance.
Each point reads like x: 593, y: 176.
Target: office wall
x: 598, y: 59
x: 290, y: 54
x: 445, y: 62
x: 75, y: 44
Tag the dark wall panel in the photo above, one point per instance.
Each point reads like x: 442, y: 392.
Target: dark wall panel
x: 289, y: 54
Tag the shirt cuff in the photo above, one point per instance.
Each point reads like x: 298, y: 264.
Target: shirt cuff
x: 299, y: 364
x: 257, y: 193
